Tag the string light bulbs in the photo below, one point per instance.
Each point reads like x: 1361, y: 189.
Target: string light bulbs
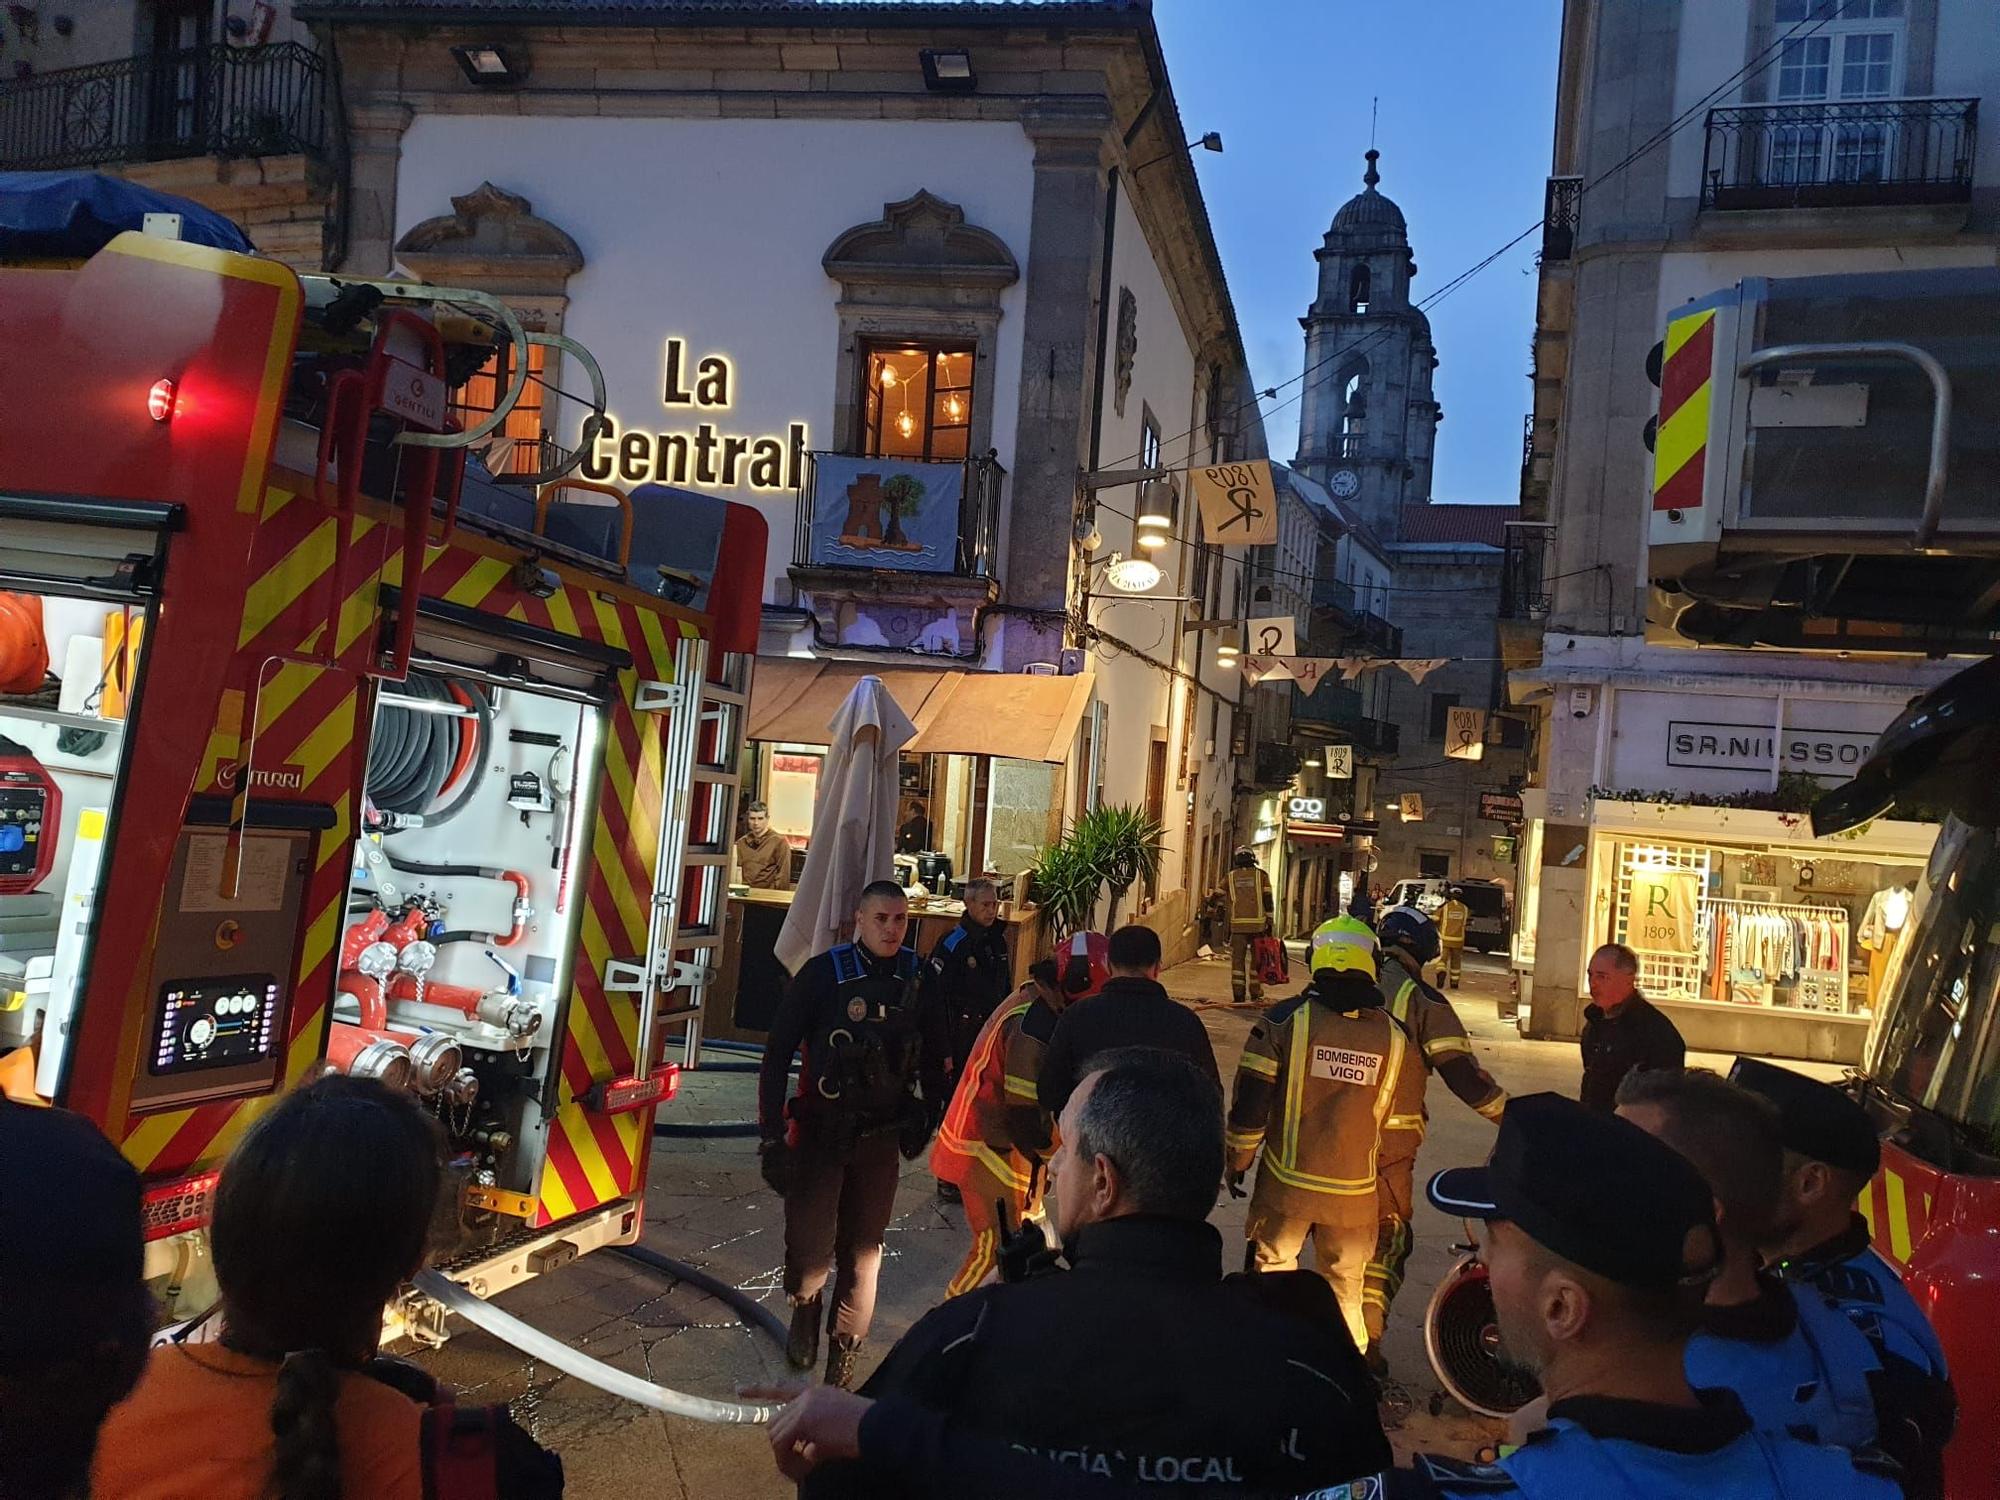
x: 905, y: 423
x: 888, y: 375
x: 954, y: 408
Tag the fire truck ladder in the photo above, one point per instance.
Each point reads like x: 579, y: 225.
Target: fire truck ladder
x: 705, y: 734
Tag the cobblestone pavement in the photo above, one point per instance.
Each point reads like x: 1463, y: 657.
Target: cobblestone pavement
x: 708, y: 1207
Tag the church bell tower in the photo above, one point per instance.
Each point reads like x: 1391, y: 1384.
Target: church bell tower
x: 1368, y: 419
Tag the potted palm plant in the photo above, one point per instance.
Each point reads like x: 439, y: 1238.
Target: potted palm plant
x: 1124, y: 845
x: 1065, y: 887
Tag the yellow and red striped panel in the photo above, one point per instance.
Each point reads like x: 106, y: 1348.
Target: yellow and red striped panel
x: 1680, y: 447
x: 313, y: 720
x: 1897, y: 1205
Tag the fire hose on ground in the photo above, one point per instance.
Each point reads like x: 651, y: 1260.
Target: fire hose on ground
x: 555, y: 1353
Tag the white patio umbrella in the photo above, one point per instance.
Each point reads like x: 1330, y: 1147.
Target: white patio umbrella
x: 854, y: 821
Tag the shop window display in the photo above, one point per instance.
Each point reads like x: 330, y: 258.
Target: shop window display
x: 1759, y: 928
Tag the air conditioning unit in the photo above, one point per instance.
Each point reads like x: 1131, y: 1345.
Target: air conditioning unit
x: 1073, y: 660
x: 1042, y: 669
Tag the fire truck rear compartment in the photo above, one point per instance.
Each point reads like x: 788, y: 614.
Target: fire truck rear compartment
x: 463, y: 910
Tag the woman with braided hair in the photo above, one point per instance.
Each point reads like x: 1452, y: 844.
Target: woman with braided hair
x: 322, y: 1213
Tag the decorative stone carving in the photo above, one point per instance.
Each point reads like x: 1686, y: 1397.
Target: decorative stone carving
x: 493, y: 241
x: 1128, y: 346
x: 922, y: 241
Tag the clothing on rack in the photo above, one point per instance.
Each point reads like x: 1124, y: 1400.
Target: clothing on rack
x: 1751, y: 946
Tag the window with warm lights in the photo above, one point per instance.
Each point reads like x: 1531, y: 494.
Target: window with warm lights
x: 919, y: 401
x: 523, y: 425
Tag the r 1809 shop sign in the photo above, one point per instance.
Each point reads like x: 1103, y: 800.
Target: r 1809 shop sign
x: 1751, y: 747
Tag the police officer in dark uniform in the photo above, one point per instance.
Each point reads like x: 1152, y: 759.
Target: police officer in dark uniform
x: 871, y: 1041
x: 1819, y: 1241
x: 1798, y: 1365
x: 969, y: 972
x: 1598, y: 1239
x: 1142, y: 1363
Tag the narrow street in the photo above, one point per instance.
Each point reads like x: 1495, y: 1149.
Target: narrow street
x: 708, y: 1207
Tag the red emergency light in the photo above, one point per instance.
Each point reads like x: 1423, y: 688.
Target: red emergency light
x: 623, y: 1095
x: 160, y: 400
x: 175, y: 1207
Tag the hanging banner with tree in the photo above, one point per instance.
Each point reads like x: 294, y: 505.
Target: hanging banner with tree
x: 886, y: 513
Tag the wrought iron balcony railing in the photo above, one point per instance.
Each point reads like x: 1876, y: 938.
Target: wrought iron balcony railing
x: 1341, y: 707
x: 1524, y: 570
x: 899, y: 514
x: 1562, y: 202
x: 205, y: 101
x: 1839, y: 155
x: 1333, y: 594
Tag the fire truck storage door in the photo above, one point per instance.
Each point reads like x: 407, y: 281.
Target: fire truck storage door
x: 220, y: 995
x: 502, y: 859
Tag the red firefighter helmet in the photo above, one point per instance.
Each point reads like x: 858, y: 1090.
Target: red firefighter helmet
x: 1086, y: 964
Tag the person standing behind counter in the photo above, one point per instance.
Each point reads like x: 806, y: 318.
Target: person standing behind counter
x: 763, y: 855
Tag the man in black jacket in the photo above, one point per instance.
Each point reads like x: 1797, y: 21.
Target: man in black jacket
x: 870, y: 1040
x: 1622, y: 1032
x: 1132, y: 1010
x: 1115, y: 1366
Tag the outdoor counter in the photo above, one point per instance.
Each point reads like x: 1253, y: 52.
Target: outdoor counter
x: 744, y: 997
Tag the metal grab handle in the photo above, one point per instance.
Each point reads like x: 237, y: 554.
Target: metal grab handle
x: 595, y: 423
x: 1924, y: 360
x: 417, y: 291
x: 545, y: 497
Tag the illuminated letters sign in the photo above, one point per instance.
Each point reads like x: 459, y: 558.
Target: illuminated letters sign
x: 707, y: 457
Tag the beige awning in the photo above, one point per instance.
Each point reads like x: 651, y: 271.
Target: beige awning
x: 794, y: 698
x: 1011, y: 714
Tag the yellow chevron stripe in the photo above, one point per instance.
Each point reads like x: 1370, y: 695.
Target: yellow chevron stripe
x: 602, y: 1180
x: 275, y: 500
x: 334, y: 734
x: 1865, y: 1205
x: 562, y: 613
x: 149, y: 1138
x: 610, y: 867
x: 662, y: 654
x: 1680, y: 330
x: 305, y: 1047
x: 481, y: 579
x: 583, y: 1032
x: 608, y: 623
x: 1899, y: 1218
x: 1682, y: 435
x: 555, y: 1197
x: 334, y: 841
x: 319, y: 936
x: 282, y: 690
x: 283, y: 583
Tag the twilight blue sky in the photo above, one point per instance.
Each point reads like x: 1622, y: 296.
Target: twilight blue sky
x: 1467, y: 92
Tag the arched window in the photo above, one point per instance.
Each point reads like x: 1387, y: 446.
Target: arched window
x: 1358, y: 288
x: 1353, y: 410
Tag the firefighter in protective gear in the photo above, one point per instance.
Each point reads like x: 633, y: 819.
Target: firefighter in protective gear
x: 1409, y: 944
x: 1251, y: 912
x: 1320, y: 1077
x: 870, y: 1043
x: 996, y: 1137
x: 1451, y: 921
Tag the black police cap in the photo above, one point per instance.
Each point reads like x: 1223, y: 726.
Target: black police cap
x: 1814, y: 1119
x: 1594, y: 1189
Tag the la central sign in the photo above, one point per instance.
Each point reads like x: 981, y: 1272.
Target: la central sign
x: 706, y: 457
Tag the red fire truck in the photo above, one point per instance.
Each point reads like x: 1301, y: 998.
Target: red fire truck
x: 347, y: 753
x: 1828, y: 479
